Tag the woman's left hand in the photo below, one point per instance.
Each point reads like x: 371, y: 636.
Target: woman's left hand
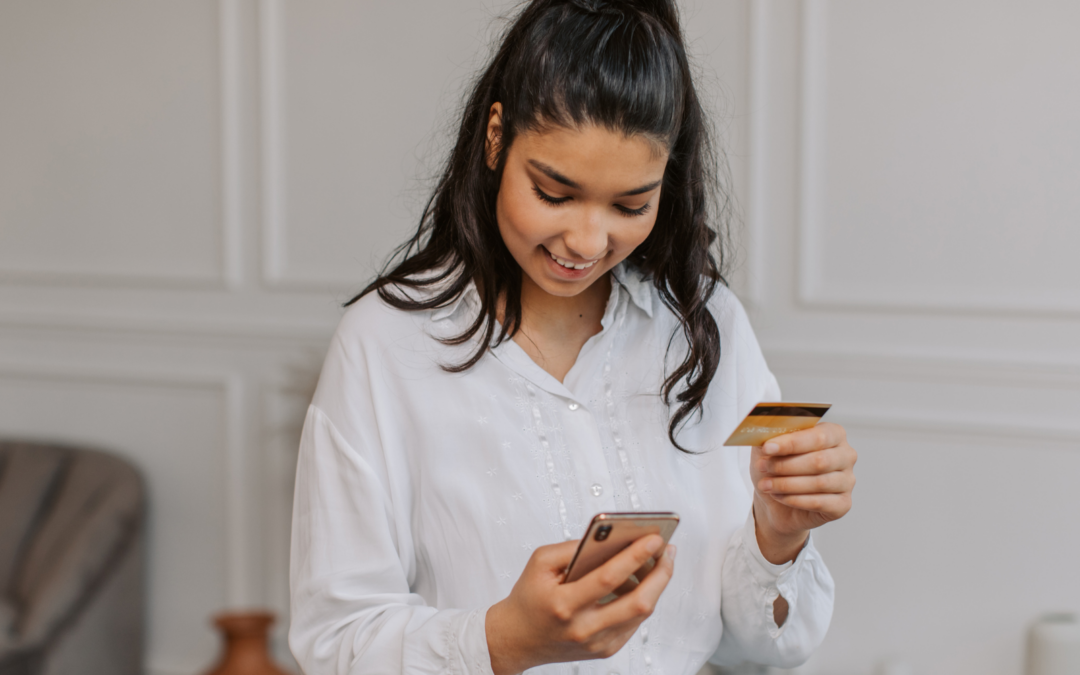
x: 801, y: 480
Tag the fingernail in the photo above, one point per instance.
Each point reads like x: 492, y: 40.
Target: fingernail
x: 671, y: 551
x: 765, y: 485
x: 765, y: 467
x: 654, y: 544
x: 771, y: 448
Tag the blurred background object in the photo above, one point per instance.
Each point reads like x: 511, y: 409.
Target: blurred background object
x: 189, y: 190
x: 245, y: 648
x: 1054, y: 645
x: 71, y: 562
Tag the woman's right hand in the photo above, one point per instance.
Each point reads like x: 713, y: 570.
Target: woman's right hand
x: 546, y: 621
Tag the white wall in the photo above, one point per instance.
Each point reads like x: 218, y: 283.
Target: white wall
x: 915, y: 225
x: 189, y: 190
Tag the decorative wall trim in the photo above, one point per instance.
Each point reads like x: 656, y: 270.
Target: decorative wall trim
x: 934, y: 371
x: 274, y: 174
x: 814, y: 293
x: 231, y: 223
x: 960, y: 430
x: 757, y: 162
x: 812, y: 148
x: 272, y: 117
x: 232, y: 125
x: 931, y: 369
x: 277, y: 274
x: 134, y: 325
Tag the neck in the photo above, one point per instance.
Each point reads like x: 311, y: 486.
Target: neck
x: 554, y: 328
x: 542, y: 312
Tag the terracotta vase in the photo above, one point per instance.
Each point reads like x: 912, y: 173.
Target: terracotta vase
x: 246, y: 651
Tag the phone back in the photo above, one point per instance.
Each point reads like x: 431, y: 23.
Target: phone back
x: 610, y: 533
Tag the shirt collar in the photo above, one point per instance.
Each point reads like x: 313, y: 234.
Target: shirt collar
x: 469, y: 296
x: 637, y: 286
x: 629, y: 277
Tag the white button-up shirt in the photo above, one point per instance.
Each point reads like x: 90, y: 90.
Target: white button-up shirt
x: 421, y: 494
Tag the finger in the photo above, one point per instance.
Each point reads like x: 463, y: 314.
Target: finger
x: 612, y: 574
x: 808, y: 464
x: 554, y: 558
x: 832, y: 506
x: 830, y: 483
x: 638, y: 604
x: 822, y: 436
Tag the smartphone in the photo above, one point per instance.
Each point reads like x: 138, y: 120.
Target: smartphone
x: 610, y: 533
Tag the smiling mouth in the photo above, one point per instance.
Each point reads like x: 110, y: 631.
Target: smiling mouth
x: 569, y: 265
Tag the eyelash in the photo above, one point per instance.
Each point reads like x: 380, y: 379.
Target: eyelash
x: 556, y: 201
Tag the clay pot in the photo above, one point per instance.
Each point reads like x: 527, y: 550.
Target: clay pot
x: 246, y: 651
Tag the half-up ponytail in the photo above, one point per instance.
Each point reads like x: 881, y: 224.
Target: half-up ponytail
x: 620, y: 64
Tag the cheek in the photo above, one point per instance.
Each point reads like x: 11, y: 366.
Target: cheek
x: 522, y: 218
x: 635, y: 233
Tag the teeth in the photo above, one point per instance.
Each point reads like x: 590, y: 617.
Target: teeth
x: 569, y: 265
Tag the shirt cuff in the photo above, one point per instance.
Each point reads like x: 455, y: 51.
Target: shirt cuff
x: 775, y: 580
x: 468, y: 643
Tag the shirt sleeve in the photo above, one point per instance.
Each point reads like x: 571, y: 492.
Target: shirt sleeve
x: 750, y: 586
x: 352, y: 607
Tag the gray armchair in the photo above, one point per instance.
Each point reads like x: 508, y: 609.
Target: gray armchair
x: 71, y: 562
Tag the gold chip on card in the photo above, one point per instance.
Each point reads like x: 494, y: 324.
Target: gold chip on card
x: 769, y: 420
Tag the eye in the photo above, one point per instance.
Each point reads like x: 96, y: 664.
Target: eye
x: 630, y: 213
x: 544, y: 197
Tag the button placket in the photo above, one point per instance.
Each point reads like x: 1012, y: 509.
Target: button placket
x: 581, y: 428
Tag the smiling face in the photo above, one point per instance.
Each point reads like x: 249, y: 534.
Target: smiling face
x: 573, y: 203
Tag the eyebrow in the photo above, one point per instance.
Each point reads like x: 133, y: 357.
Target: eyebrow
x: 559, y: 178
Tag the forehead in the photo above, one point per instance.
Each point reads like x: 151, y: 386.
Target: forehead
x: 594, y: 156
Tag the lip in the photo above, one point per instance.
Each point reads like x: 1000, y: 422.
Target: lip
x: 564, y: 272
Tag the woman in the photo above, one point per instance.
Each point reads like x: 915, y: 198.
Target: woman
x: 556, y: 341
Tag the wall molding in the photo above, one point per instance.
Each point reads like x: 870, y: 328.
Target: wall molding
x: 272, y: 118
x: 939, y: 370
x: 812, y: 291
x: 187, y: 328
x: 232, y: 146
x: 758, y: 77
x: 932, y: 369
x: 230, y: 222
x: 274, y: 225
x: 962, y: 430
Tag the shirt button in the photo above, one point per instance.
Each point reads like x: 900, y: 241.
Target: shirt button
x: 597, y: 489
x: 573, y: 406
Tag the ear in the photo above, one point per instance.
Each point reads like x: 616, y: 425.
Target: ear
x: 493, y: 144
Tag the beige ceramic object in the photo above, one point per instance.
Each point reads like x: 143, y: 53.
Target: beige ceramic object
x: 246, y: 650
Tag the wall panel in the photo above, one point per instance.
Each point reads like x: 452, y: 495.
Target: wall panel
x: 939, y: 566
x: 914, y: 226
x: 354, y: 96
x: 939, y: 155
x: 111, y: 142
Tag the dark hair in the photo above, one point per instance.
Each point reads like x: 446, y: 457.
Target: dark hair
x: 620, y: 64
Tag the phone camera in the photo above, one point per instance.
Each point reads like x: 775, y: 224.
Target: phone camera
x: 602, y: 532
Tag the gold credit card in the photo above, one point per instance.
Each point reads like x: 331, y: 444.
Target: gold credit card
x: 769, y: 420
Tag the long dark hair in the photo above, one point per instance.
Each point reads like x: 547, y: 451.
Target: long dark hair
x: 620, y: 64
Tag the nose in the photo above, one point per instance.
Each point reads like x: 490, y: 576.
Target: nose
x: 587, y: 239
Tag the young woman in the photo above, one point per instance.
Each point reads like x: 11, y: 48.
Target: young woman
x: 556, y: 341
